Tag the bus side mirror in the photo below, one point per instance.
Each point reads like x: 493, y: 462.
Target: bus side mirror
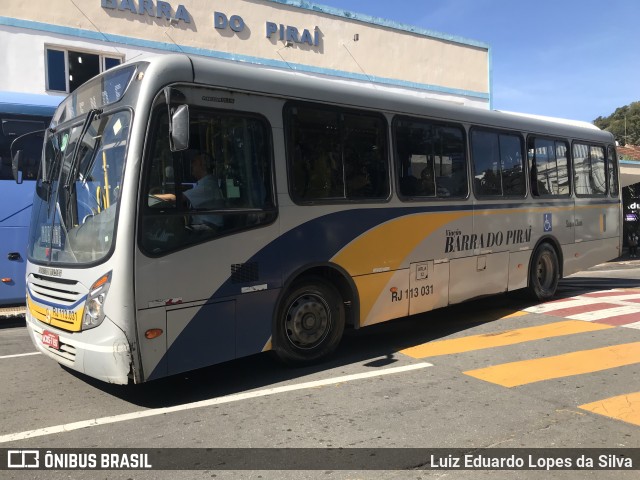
x: 17, y: 166
x: 179, y: 127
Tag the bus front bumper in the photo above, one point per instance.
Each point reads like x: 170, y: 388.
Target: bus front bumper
x: 102, y: 352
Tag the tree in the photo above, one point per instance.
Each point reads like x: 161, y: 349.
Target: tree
x: 624, y: 123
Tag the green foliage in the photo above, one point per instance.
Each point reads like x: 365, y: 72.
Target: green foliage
x: 624, y: 123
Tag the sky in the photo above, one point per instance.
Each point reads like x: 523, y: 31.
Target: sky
x: 576, y: 59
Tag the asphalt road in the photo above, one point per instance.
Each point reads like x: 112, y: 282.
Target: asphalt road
x: 501, y: 372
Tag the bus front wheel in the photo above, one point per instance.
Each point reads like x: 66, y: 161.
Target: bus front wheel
x: 310, y: 322
x: 545, y: 273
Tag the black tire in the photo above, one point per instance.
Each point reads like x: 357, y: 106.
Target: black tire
x: 309, y: 322
x: 544, y: 274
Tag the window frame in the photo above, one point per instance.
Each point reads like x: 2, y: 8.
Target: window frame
x: 569, y: 165
x: 289, y: 155
x: 145, y: 211
x: 616, y: 166
x: 396, y: 158
x: 590, y: 145
x: 102, y: 57
x: 523, y: 153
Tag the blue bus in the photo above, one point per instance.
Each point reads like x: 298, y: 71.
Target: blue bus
x: 21, y: 114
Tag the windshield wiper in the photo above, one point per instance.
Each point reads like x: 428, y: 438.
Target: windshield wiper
x: 93, y: 113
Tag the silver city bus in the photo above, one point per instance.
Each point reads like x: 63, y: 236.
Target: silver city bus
x: 191, y: 211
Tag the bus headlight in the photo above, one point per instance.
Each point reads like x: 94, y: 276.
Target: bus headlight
x: 94, y: 306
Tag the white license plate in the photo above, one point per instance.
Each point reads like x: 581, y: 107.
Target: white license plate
x: 51, y: 339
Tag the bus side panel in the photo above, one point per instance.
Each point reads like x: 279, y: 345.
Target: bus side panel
x: 476, y: 276
x: 210, y: 338
x: 583, y: 255
x: 597, y: 227
x: 596, y: 221
x: 254, y: 312
x: 14, y: 241
x: 15, y: 214
x: 429, y: 286
x: 383, y: 296
x: 152, y: 351
x: 519, y: 269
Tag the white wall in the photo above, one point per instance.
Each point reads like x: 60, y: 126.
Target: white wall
x: 22, y: 62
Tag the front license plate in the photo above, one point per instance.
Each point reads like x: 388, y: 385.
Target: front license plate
x: 51, y: 339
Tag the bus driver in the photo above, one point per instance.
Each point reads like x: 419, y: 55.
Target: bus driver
x: 205, y: 194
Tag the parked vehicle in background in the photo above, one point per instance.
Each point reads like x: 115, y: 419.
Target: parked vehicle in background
x: 20, y: 115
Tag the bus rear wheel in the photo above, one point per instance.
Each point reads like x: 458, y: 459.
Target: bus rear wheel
x: 310, y: 322
x: 545, y: 273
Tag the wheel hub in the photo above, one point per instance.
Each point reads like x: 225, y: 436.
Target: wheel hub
x: 308, y: 321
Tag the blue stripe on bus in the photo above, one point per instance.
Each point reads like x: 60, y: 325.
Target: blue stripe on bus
x: 54, y: 304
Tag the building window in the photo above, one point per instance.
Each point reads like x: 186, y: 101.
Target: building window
x: 68, y: 69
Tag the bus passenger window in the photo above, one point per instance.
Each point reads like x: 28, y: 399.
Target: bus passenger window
x: 336, y: 155
x: 589, y: 169
x: 548, y: 165
x: 430, y: 159
x: 485, y: 150
x: 498, y: 164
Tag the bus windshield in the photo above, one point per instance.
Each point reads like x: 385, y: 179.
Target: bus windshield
x: 74, y: 209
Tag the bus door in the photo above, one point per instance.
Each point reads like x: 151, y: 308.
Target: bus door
x: 596, y: 218
x: 205, y: 273
x: 499, y: 187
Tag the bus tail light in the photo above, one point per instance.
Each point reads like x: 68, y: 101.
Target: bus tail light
x: 94, y: 306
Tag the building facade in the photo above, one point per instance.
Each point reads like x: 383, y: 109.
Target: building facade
x: 53, y: 46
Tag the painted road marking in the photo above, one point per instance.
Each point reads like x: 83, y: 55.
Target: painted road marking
x: 622, y: 407
x: 576, y: 363
x: 582, y: 309
x: 12, y: 437
x: 500, y: 339
x: 611, y: 307
x: 19, y: 355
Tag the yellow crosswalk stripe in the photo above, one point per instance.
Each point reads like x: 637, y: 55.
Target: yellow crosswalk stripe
x: 575, y: 363
x: 622, y: 407
x: 500, y: 339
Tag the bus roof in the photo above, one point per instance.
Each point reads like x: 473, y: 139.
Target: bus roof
x: 28, y: 103
x: 293, y: 84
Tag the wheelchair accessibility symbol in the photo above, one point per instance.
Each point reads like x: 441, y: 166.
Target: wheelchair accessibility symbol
x: 547, y: 226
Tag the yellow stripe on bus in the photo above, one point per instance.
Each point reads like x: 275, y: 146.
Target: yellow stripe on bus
x: 623, y: 407
x: 576, y: 363
x: 501, y: 339
x: 387, y: 246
